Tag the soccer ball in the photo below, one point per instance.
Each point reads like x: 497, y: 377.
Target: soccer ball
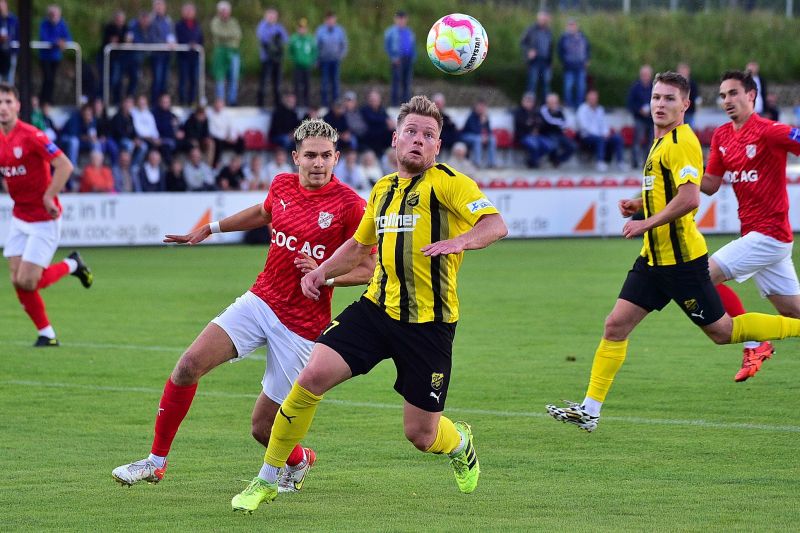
x: 457, y: 44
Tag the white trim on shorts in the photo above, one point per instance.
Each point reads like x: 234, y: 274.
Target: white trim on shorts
x: 767, y: 260
x: 251, y: 324
x: 35, y: 242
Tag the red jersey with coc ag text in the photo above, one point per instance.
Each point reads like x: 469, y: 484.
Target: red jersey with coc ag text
x: 753, y: 161
x: 315, y: 223
x: 25, y: 155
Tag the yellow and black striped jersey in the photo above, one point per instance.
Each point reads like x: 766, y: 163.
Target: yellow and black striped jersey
x: 402, y: 216
x: 674, y: 160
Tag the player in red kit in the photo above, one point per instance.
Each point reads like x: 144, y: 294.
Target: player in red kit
x: 26, y: 155
x: 312, y: 213
x: 749, y: 152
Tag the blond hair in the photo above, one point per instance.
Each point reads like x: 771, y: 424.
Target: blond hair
x: 419, y: 105
x: 315, y: 127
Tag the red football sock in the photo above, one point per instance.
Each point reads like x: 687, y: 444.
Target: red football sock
x: 52, y: 274
x: 730, y: 300
x: 34, y: 305
x: 172, y: 409
x: 297, y: 456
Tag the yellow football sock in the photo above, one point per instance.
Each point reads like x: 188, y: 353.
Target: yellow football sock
x: 447, y: 437
x: 291, y: 424
x: 763, y: 327
x: 607, y: 361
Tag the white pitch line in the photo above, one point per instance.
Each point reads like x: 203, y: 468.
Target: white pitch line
x: 707, y: 424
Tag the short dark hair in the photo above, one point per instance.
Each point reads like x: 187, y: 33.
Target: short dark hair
x: 745, y: 77
x: 673, y: 79
x: 8, y: 88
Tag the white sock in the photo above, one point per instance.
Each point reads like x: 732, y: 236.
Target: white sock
x: 48, y: 332
x: 592, y: 406
x: 461, y: 445
x: 752, y: 345
x: 269, y: 473
x: 157, y: 460
x: 73, y: 266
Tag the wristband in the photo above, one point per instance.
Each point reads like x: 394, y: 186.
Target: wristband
x: 214, y: 226
x: 329, y: 282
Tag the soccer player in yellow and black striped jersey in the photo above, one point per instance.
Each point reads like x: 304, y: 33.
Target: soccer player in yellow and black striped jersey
x: 673, y: 264
x: 421, y: 218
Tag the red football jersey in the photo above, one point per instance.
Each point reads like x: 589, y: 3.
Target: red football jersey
x: 25, y: 155
x: 315, y: 223
x: 753, y: 160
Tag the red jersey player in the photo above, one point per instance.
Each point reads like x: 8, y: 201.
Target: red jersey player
x: 312, y: 213
x: 25, y: 158
x: 750, y: 153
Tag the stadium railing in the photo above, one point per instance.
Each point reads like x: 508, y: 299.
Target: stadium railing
x: 70, y: 45
x: 155, y: 47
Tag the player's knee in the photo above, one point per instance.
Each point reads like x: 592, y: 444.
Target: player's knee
x: 614, y: 328
x: 420, y: 438
x: 188, y: 370
x: 25, y: 283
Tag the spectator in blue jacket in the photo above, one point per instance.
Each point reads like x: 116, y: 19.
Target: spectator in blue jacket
x: 537, y: 50
x: 639, y: 105
x: 9, y: 33
x: 188, y: 31
x: 163, y: 33
x: 477, y: 133
x: 141, y: 32
x: 399, y: 43
x: 114, y: 32
x: 332, y: 46
x: 574, y: 53
x: 272, y: 38
x: 52, y: 30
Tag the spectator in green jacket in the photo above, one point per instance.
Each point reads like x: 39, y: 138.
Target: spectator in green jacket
x: 226, y: 34
x: 303, y: 54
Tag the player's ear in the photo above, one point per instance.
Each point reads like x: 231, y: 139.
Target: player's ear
x: 394, y: 139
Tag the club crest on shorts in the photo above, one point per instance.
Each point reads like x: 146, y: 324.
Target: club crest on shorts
x: 750, y: 150
x: 437, y: 379
x: 691, y: 305
x: 324, y: 219
x: 18, y: 151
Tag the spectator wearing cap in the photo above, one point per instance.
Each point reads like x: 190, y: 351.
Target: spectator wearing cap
x: 332, y: 46
x: 226, y: 34
x: 574, y: 53
x: 188, y: 31
x: 303, y: 55
x: 272, y: 38
x: 337, y: 117
x: 53, y: 30
x: 399, y: 43
x: 477, y: 133
x: 355, y: 121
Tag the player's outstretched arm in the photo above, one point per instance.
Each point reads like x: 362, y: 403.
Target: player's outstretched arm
x: 62, y: 169
x: 488, y: 229
x: 360, y: 275
x: 246, y: 219
x: 347, y: 257
x: 710, y: 184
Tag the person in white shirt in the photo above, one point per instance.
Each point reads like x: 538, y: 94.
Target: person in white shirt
x: 371, y: 167
x: 197, y: 174
x: 220, y: 127
x: 144, y: 123
x: 257, y: 175
x: 595, y: 134
x: 279, y: 164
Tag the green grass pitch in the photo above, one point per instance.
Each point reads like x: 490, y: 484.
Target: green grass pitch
x: 680, y: 446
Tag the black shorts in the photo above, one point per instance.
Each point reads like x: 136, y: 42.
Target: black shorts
x: 364, y: 335
x: 688, y: 284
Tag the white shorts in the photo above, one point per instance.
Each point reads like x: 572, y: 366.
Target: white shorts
x: 36, y: 242
x: 767, y: 260
x: 251, y: 324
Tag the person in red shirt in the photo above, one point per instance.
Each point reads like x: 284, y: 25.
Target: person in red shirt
x: 749, y: 152
x: 311, y: 213
x: 26, y: 155
x: 96, y: 177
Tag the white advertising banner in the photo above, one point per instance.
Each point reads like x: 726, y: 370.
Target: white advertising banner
x: 144, y: 219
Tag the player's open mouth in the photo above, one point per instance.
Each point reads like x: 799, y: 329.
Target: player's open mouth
x: 415, y: 152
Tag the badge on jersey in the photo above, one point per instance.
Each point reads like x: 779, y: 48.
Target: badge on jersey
x: 324, y: 219
x: 51, y: 148
x: 750, y: 150
x: 17, y: 152
x: 477, y: 205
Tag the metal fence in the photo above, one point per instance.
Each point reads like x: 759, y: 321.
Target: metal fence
x: 782, y: 7
x: 69, y: 45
